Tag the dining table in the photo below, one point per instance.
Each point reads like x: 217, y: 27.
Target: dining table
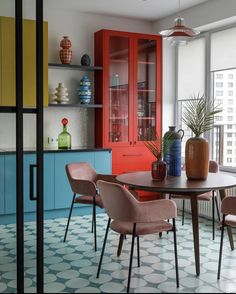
x: 142, y: 180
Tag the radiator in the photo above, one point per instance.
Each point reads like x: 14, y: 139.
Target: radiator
x: 204, y: 207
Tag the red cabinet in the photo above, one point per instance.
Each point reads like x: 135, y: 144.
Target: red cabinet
x: 130, y: 89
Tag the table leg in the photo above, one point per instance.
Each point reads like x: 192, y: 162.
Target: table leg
x: 229, y: 230
x: 194, y: 209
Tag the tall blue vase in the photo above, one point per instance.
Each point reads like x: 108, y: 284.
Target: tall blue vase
x: 84, y: 91
x: 172, y: 154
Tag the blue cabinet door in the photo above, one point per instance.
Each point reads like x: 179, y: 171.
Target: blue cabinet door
x: 10, y: 182
x: 63, y: 193
x: 2, y: 204
x: 102, y: 162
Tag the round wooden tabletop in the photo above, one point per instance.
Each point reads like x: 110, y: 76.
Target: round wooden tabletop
x: 142, y: 180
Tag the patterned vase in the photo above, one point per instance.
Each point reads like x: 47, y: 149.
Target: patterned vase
x: 65, y: 53
x: 84, y: 90
x: 158, y: 170
x: 172, y: 154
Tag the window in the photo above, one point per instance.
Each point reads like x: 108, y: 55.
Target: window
x: 221, y: 88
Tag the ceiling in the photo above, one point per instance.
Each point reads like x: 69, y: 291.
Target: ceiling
x: 141, y: 9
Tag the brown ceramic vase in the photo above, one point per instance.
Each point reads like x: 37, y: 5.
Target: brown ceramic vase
x: 197, y: 158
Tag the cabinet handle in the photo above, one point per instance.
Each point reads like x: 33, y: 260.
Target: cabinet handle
x: 132, y: 154
x: 134, y: 142
x: 31, y: 182
x: 130, y: 142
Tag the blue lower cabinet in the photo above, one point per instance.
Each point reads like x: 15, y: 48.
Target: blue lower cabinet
x: 63, y: 193
x: 102, y: 162
x: 10, y: 183
x: 2, y: 202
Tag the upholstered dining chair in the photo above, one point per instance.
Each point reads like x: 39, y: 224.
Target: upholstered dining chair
x: 82, y: 178
x: 128, y: 216
x: 228, y: 209
x: 208, y: 196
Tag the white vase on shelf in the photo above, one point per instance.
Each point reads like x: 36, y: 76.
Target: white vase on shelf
x: 61, y: 94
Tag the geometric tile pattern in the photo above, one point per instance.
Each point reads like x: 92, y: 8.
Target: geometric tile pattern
x: 71, y: 267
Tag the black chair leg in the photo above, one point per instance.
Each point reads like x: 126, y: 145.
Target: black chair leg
x: 183, y: 208
x: 138, y: 251
x: 176, y: 255
x: 120, y: 245
x: 94, y: 224
x: 221, y: 247
x: 217, y: 208
x: 213, y: 217
x: 131, y: 257
x: 68, y: 221
x: 103, y: 247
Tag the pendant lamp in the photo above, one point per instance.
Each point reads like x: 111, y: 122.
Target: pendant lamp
x: 179, y: 34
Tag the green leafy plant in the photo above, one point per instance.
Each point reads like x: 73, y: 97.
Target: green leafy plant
x: 198, y: 114
x: 156, y: 146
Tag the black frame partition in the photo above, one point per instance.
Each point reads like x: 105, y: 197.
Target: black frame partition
x: 19, y: 110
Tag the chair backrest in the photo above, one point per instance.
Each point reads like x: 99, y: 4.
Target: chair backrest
x: 121, y: 205
x: 228, y: 205
x: 213, y: 166
x: 82, y: 177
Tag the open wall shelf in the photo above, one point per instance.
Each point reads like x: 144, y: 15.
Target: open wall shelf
x: 74, y: 67
x: 77, y: 105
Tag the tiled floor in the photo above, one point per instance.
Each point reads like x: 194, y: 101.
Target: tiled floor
x: 71, y: 266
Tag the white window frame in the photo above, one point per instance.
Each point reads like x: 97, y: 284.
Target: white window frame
x: 208, y: 84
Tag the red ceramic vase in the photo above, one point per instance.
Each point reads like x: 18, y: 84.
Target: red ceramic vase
x: 159, y: 170
x: 65, y: 56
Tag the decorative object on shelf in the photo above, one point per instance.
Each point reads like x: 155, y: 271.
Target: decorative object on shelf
x: 158, y: 149
x: 65, y: 52
x: 115, y: 80
x: 179, y: 34
x: 198, y: 115
x: 84, y: 90
x: 64, y: 138
x: 61, y: 94
x: 85, y: 60
x: 172, y: 156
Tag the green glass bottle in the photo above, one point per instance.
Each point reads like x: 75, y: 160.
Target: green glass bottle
x: 64, y: 138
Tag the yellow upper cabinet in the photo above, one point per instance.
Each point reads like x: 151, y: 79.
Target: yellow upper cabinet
x: 7, y: 62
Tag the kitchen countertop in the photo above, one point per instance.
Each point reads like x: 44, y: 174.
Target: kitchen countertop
x: 54, y: 149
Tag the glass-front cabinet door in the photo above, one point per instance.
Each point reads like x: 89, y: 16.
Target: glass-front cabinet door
x: 119, y: 91
x: 147, y: 90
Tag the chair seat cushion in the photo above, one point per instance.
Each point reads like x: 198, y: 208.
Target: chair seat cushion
x: 126, y: 228
x: 204, y: 197
x: 89, y: 200
x: 230, y: 220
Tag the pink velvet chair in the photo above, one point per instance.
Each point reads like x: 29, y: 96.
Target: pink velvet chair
x: 208, y: 196
x: 131, y: 217
x: 228, y: 208
x: 82, y: 178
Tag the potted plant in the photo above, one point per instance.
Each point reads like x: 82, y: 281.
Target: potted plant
x: 157, y: 147
x: 198, y: 115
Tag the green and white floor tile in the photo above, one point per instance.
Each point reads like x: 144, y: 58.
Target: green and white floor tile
x: 71, y: 267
